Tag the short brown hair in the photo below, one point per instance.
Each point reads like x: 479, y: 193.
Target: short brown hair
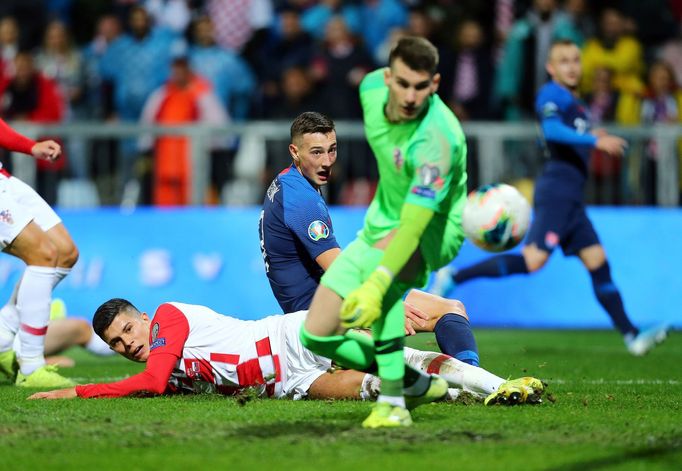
x: 417, y: 53
x: 311, y: 122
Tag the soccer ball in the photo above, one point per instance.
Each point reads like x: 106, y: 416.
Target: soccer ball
x: 496, y: 217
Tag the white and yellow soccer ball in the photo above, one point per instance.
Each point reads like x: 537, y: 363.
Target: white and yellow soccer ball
x: 496, y: 217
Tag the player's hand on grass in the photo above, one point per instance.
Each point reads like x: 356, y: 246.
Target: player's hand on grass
x: 46, y: 150
x: 612, y: 145
x: 67, y: 393
x: 414, y: 317
x: 363, y: 306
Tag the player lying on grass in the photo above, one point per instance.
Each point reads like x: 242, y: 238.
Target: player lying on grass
x: 191, y: 348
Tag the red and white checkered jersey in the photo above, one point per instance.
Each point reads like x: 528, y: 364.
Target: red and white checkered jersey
x: 194, y: 349
x: 220, y: 353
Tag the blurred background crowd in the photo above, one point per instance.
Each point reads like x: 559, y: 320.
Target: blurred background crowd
x: 223, y: 62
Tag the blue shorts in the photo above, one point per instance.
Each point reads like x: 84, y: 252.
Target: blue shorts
x: 562, y: 223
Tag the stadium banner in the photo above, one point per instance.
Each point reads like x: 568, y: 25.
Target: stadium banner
x: 212, y: 256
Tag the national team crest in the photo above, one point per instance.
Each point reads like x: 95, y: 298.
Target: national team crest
x: 318, y: 230
x: 551, y: 239
x: 6, y: 216
x: 398, y: 158
x: 155, y: 331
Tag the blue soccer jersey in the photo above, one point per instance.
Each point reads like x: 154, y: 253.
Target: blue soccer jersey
x: 565, y: 126
x: 295, y: 228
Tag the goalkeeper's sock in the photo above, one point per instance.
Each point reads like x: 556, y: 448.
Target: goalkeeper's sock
x: 389, y: 358
x: 458, y: 374
x: 455, y: 338
x: 352, y: 350
x: 493, y: 267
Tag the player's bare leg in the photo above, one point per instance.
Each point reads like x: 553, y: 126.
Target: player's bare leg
x: 339, y: 384
x: 535, y: 257
x: 323, y: 315
x: 429, y: 308
x: 40, y: 254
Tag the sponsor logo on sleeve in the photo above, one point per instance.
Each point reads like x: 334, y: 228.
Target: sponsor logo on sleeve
x: 318, y: 230
x: 160, y: 342
x: 424, y: 191
x: 549, y: 109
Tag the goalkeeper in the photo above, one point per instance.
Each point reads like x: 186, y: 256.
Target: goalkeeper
x: 412, y: 226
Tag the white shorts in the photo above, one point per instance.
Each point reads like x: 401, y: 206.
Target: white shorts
x: 19, y: 205
x: 303, y: 367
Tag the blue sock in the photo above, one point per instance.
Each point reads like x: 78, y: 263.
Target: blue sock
x: 454, y: 337
x: 493, y: 267
x: 609, y: 297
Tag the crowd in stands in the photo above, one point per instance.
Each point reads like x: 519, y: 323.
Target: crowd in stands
x: 221, y: 61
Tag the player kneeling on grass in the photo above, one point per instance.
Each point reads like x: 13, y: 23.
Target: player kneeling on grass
x: 191, y: 348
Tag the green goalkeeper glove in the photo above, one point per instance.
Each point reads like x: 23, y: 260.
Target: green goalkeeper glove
x: 363, y: 306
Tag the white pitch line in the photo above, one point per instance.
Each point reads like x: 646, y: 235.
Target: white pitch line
x: 666, y: 382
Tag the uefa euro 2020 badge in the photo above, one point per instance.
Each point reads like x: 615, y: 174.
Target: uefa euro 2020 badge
x: 318, y: 230
x: 398, y: 158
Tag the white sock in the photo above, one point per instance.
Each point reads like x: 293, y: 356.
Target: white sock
x: 398, y: 401
x: 9, y: 320
x: 457, y: 373
x: 370, y: 387
x: 59, y: 274
x: 33, y: 304
x: 99, y: 347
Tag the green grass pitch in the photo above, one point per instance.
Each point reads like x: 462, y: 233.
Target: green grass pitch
x: 608, y: 411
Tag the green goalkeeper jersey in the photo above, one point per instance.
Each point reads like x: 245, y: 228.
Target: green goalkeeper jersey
x: 422, y: 162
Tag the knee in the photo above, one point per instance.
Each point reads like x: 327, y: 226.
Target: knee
x: 69, y: 256
x: 44, y: 254
x: 457, y: 307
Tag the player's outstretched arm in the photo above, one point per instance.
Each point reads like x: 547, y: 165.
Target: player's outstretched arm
x: 68, y: 393
x: 612, y: 145
x: 363, y: 306
x: 13, y: 141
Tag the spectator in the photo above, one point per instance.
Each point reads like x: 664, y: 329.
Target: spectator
x: 338, y: 68
x: 605, y: 169
x: 236, y: 21
x: 61, y: 62
x: 315, y: 19
x: 172, y: 14
x: 615, y: 49
x: 185, y: 98
x: 661, y: 102
x: 230, y: 76
x: 522, y: 69
x: 30, y: 96
x: 136, y: 64
x: 378, y: 18
x: 9, y: 46
x: 671, y: 52
x: 466, y: 83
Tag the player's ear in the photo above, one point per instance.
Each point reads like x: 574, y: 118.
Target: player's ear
x: 144, y: 317
x: 435, y: 82
x: 387, y: 75
x: 293, y: 151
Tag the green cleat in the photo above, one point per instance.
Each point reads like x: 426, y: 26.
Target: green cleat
x: 45, y: 377
x: 438, y: 389
x: 387, y: 415
x: 8, y: 364
x: 526, y: 390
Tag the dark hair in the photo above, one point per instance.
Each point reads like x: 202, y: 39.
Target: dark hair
x: 417, y: 53
x: 108, y: 311
x: 311, y: 122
